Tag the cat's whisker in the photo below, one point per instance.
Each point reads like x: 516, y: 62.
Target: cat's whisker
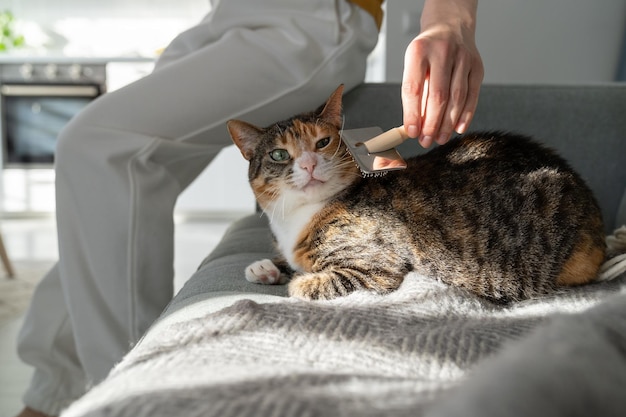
x: 277, y: 203
x: 270, y: 192
x: 336, y: 150
x: 348, y: 163
x: 280, y: 207
x: 273, y: 215
x: 280, y: 130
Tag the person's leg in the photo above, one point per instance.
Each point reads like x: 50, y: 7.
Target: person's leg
x: 123, y: 161
x: 46, y: 340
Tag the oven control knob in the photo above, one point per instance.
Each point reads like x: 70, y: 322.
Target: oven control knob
x: 75, y: 71
x: 50, y: 71
x: 88, y: 72
x: 26, y: 71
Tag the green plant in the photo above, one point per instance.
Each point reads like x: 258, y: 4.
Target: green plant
x: 8, y: 38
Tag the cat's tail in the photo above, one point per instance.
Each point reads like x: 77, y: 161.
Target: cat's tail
x: 616, y: 256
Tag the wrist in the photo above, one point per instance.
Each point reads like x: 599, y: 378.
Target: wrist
x: 456, y: 15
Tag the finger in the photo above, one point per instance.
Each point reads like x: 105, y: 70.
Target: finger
x: 413, y: 77
x: 456, y: 101
x: 438, y: 94
x: 475, y: 80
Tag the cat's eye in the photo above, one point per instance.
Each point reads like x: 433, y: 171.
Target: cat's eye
x: 322, y: 143
x: 280, y: 155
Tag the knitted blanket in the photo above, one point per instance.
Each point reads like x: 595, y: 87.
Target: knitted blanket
x: 426, y: 349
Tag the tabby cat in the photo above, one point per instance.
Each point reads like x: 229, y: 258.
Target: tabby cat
x: 494, y: 213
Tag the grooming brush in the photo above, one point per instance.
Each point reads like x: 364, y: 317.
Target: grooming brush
x: 374, y: 151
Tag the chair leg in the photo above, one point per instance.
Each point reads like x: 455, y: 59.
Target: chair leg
x: 5, y: 259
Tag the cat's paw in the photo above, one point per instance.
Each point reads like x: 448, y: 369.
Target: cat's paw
x: 264, y: 272
x: 326, y: 285
x: 317, y: 286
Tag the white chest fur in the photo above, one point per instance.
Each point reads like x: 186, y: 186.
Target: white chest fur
x: 287, y: 229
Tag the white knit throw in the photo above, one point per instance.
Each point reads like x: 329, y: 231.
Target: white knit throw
x: 362, y: 355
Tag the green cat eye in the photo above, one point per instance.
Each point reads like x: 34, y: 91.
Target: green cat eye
x: 322, y: 143
x: 280, y: 155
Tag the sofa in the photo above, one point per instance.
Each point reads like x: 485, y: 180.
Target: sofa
x: 227, y: 347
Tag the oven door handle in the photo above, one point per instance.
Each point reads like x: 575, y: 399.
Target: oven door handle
x: 50, y: 90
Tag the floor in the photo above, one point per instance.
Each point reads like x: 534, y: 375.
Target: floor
x: 35, y: 240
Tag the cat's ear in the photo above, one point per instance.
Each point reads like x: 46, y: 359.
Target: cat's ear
x: 332, y: 109
x: 245, y: 136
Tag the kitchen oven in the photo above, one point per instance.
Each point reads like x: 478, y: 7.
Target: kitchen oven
x: 36, y: 101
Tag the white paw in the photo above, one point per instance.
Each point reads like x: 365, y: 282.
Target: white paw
x: 263, y: 272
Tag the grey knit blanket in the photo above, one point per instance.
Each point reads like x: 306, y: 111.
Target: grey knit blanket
x: 426, y: 349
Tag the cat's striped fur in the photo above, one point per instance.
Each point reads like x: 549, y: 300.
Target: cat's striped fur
x: 494, y: 213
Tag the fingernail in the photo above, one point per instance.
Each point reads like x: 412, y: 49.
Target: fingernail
x: 443, y: 139
x: 413, y: 131
x: 463, y: 124
x: 426, y: 141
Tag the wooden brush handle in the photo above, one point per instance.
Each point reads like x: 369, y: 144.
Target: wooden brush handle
x: 386, y: 140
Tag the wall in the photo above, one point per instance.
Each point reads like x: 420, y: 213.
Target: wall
x: 116, y: 27
x: 530, y: 41
x: 47, y: 10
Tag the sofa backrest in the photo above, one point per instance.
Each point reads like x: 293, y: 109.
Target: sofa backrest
x: 586, y: 124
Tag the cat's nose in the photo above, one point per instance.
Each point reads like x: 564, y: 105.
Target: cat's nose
x: 308, y: 167
x: 307, y: 163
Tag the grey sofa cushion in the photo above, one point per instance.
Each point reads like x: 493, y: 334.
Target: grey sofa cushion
x: 621, y: 211
x: 222, y: 272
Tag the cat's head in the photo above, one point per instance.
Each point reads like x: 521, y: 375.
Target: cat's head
x: 297, y: 161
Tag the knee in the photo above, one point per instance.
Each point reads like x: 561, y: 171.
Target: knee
x: 72, y: 142
x: 81, y: 143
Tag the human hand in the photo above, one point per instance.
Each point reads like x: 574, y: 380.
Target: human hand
x: 443, y: 72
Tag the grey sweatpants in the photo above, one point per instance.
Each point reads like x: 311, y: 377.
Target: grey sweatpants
x: 123, y: 161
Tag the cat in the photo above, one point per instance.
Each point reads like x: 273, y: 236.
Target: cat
x: 497, y: 214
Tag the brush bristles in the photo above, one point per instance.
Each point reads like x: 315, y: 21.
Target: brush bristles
x: 373, y: 174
